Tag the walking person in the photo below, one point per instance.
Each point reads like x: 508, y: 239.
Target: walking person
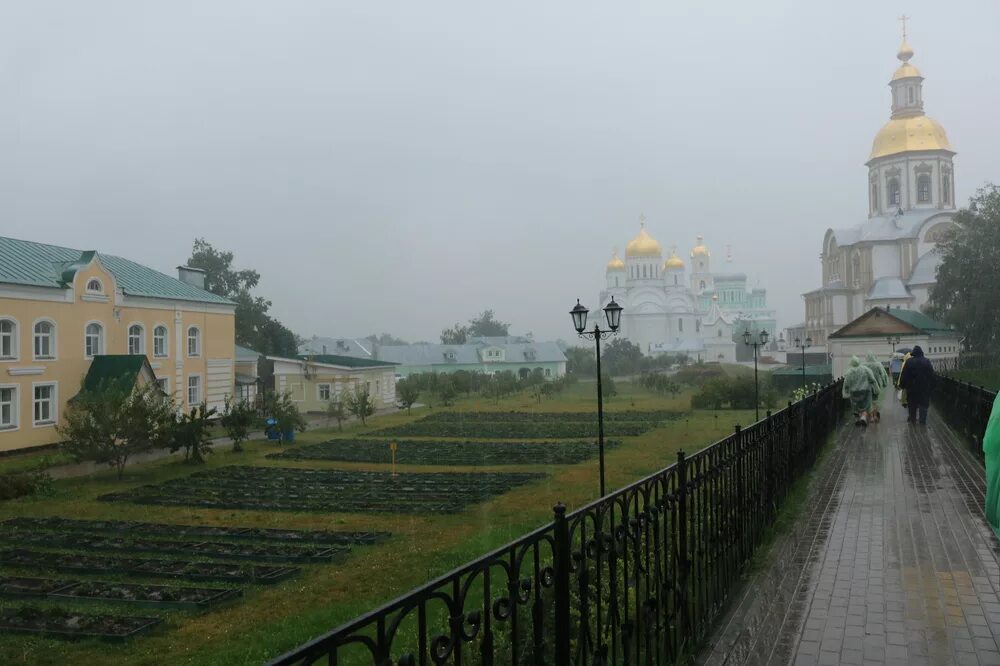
x: 881, y: 378
x: 861, y: 387
x: 917, y: 379
x: 991, y: 450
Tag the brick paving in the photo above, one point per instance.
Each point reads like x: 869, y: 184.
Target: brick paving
x: 891, y: 561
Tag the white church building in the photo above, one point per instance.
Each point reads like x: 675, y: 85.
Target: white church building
x: 890, y: 260
x: 669, y: 310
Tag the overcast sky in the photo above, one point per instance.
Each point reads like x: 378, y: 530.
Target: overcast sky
x: 399, y: 166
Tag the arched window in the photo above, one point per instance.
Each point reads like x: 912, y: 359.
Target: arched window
x: 680, y: 325
x: 160, y: 341
x: 93, y: 340
x: 675, y: 280
x: 719, y: 332
x: 8, y: 339
x: 644, y: 270
x: 136, y: 339
x: 856, y: 269
x: 924, y: 188
x: 45, y: 340
x: 194, y: 341
x: 892, y: 192
x: 701, y: 285
x: 94, y: 286
x: 946, y: 189
x: 874, y: 197
x: 909, y: 94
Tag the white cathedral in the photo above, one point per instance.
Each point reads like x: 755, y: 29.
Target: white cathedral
x: 667, y: 310
x: 891, y: 259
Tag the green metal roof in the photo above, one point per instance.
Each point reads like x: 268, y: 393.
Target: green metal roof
x: 345, y: 361
x: 41, y: 265
x: 922, y: 322
x: 113, y: 368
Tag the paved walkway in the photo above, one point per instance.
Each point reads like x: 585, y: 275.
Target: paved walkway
x: 892, y: 561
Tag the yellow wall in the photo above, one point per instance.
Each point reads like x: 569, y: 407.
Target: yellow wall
x: 304, y: 391
x: 72, y: 309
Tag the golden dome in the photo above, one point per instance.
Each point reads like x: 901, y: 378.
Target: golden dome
x: 901, y: 135
x: 673, y: 261
x: 700, y: 250
x: 616, y: 264
x: 905, y: 52
x: 643, y: 245
x: 905, y: 71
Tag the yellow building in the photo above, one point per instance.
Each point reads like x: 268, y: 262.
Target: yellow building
x: 312, y: 381
x: 60, y: 308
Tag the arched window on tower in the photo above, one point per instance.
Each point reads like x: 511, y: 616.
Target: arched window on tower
x: 856, y: 269
x: 701, y: 285
x: 924, y: 188
x: 892, y: 192
x: 874, y: 197
x: 675, y: 280
x: 644, y: 270
x: 946, y: 189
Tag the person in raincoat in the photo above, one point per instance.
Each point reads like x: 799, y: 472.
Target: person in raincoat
x: 881, y: 378
x: 861, y: 387
x: 917, y: 379
x: 902, y: 389
x: 991, y: 449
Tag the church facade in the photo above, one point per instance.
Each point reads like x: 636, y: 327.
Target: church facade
x: 891, y: 259
x: 669, y: 309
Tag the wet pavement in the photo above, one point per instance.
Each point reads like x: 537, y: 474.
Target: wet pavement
x: 890, y: 562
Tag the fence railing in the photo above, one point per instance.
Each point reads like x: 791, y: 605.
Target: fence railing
x: 636, y: 577
x: 966, y: 408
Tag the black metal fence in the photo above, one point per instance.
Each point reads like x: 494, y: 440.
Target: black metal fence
x: 637, y: 577
x: 966, y: 408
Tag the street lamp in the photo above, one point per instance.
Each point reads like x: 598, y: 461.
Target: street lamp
x: 760, y: 341
x: 613, y: 312
x: 892, y: 341
x: 802, y: 349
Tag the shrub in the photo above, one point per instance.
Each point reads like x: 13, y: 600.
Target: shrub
x: 20, y: 484
x: 191, y: 433
x: 238, y: 418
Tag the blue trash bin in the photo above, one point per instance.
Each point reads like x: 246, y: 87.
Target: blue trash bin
x: 271, y: 429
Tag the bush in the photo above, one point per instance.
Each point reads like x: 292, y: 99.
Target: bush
x: 20, y: 484
x: 734, y: 392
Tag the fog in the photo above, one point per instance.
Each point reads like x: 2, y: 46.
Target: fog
x: 400, y: 166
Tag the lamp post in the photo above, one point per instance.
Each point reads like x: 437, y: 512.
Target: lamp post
x: 802, y: 349
x: 750, y: 341
x: 893, y: 341
x: 613, y: 312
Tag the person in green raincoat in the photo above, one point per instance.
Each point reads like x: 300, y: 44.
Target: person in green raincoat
x: 991, y: 449
x: 861, y: 387
x: 881, y: 376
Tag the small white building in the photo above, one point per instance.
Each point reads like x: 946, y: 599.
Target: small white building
x: 880, y: 330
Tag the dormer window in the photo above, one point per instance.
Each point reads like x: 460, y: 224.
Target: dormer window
x: 94, y: 286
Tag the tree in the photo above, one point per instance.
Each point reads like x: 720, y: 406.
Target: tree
x: 445, y: 390
x: 485, y: 324
x: 457, y: 335
x: 238, y: 418
x: 360, y: 403
x: 115, y: 420
x: 384, y: 339
x: 608, y: 388
x: 191, y: 433
x: 621, y: 357
x: 407, y: 393
x: 581, y: 361
x: 255, y: 328
x: 279, y: 406
x: 965, y: 294
x: 335, y: 409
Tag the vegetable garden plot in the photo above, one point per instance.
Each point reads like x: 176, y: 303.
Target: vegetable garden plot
x: 134, y: 566
x: 292, y: 489
x: 208, y: 549
x: 436, y: 452
x: 70, y: 624
x: 482, y: 429
x: 209, y: 531
x: 159, y: 596
x: 630, y: 416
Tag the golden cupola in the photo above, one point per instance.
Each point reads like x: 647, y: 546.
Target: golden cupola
x: 643, y: 245
x: 908, y: 129
x: 673, y: 262
x: 616, y: 263
x: 700, y: 250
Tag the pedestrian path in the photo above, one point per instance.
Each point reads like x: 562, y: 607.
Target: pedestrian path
x: 891, y: 561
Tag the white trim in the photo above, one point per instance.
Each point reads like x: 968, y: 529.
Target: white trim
x: 142, y: 338
x: 15, y: 409
x: 100, y: 341
x: 55, y: 405
x: 26, y: 370
x: 95, y: 298
x: 152, y: 303
x: 33, y: 292
x: 219, y: 362
x: 329, y: 390
x: 166, y: 340
x: 156, y: 366
x: 100, y: 286
x: 187, y: 341
x: 166, y: 379
x: 187, y: 389
x: 54, y: 342
x: 15, y: 340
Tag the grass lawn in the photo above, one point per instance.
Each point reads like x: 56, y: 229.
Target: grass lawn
x: 271, y: 619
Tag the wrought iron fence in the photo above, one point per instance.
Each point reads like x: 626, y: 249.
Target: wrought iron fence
x: 636, y: 577
x: 966, y: 408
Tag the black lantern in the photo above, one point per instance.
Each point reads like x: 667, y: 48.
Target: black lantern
x: 746, y: 337
x: 798, y: 342
x: 809, y: 341
x: 763, y: 337
x: 579, y: 315
x: 613, y: 311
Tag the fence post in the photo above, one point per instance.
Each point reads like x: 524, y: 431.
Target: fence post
x: 561, y: 562
x: 682, y: 546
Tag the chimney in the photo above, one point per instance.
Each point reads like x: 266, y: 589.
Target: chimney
x: 192, y: 276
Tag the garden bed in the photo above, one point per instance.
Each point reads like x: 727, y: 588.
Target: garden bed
x: 437, y: 452
x: 523, y: 425
x: 131, y: 566
x: 207, y: 549
x: 629, y: 416
x: 293, y: 489
x: 16, y: 586
x: 69, y: 624
x: 207, y: 531
x: 157, y: 596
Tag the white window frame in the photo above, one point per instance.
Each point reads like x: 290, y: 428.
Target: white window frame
x: 15, y: 408
x: 164, y: 384
x: 15, y: 340
x: 198, y: 342
x: 54, y: 413
x: 187, y: 395
x: 100, y: 286
x: 142, y: 339
x: 319, y: 391
x: 100, y: 339
x: 53, y: 340
x: 166, y: 341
